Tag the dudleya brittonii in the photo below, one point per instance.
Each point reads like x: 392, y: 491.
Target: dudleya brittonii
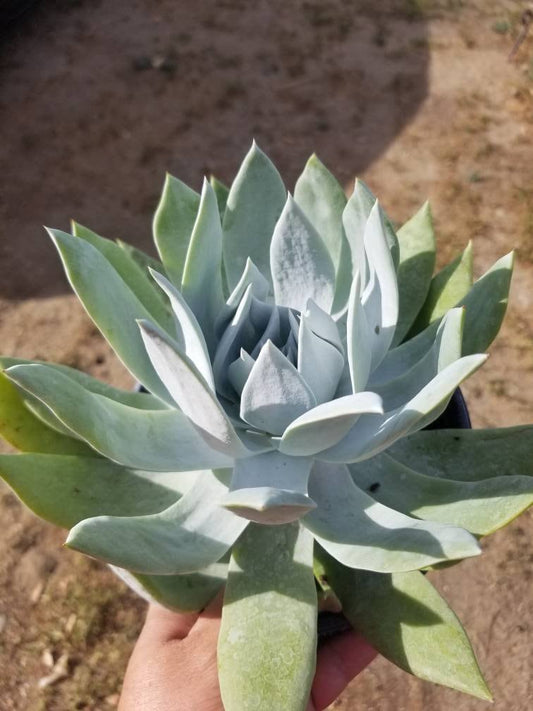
x: 285, y: 344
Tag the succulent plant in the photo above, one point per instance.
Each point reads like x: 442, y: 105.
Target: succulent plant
x: 292, y: 350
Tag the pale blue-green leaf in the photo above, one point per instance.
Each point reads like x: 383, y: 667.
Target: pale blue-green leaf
x: 173, y: 223
x: 485, y: 306
x: 325, y: 425
x: 191, y: 392
x: 191, y: 534
x: 322, y: 324
x: 143, y: 401
x: 267, y: 640
x: 319, y: 363
x: 373, y: 433
x: 201, y: 283
x: 99, y: 286
x: 239, y: 370
x: 221, y: 192
x: 190, y: 336
x: 361, y: 533
x: 301, y: 266
x: 272, y: 330
x: 65, y: 489
x: 270, y: 488
x: 275, y: 393
x: 251, y: 276
x: 469, y: 455
x: 267, y: 505
x: 354, y: 218
x: 182, y: 593
x: 416, y: 239
x: 380, y: 296
x: 480, y: 507
x: 322, y: 199
x: 24, y: 431
x: 448, y: 288
x: 145, y: 261
x: 406, y: 620
x: 358, y: 339
x: 158, y: 440
x: 134, y: 276
x: 238, y: 334
x: 445, y: 350
x: 254, y: 204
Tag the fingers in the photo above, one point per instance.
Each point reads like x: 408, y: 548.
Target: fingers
x: 208, y: 621
x: 339, y: 660
x: 162, y: 625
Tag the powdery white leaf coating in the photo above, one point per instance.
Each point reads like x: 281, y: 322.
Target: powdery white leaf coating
x: 299, y: 261
x: 275, y: 393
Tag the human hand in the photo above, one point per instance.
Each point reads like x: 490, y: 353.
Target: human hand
x: 174, y: 664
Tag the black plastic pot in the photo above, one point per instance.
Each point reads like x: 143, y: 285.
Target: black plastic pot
x: 455, y: 416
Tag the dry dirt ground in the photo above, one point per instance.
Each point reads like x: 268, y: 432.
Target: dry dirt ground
x: 99, y: 97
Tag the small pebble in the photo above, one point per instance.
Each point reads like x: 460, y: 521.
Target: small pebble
x: 59, y: 672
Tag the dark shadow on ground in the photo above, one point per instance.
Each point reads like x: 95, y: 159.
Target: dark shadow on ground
x: 99, y: 97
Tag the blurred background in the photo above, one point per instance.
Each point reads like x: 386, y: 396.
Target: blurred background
x: 98, y: 98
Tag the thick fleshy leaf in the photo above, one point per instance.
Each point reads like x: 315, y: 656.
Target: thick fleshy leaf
x: 322, y: 199
x: 188, y: 536
x: 65, y: 489
x: 267, y: 642
x: 469, y: 455
x: 158, y: 440
x: 448, y: 288
x: 319, y: 363
x: 239, y: 370
x: 362, y: 533
x: 327, y: 424
x: 417, y: 261
x: 136, y: 278
x: 358, y: 339
x: 380, y: 296
x: 190, y: 336
x: 183, y: 593
x: 275, y: 393
x: 28, y: 433
x: 141, y: 400
x: 254, y: 204
x: 145, y: 261
x: 301, y: 266
x: 373, y: 433
x: 480, y: 507
x: 445, y: 350
x: 270, y: 488
x: 354, y: 218
x: 322, y: 325
x: 97, y: 284
x: 221, y: 192
x: 238, y: 334
x: 485, y: 306
x: 173, y: 224
x: 250, y: 277
x: 406, y: 620
x: 191, y: 392
x: 202, y: 274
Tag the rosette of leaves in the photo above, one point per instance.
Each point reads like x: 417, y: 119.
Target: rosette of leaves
x: 292, y: 349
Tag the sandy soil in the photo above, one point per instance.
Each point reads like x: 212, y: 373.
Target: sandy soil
x: 99, y: 97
